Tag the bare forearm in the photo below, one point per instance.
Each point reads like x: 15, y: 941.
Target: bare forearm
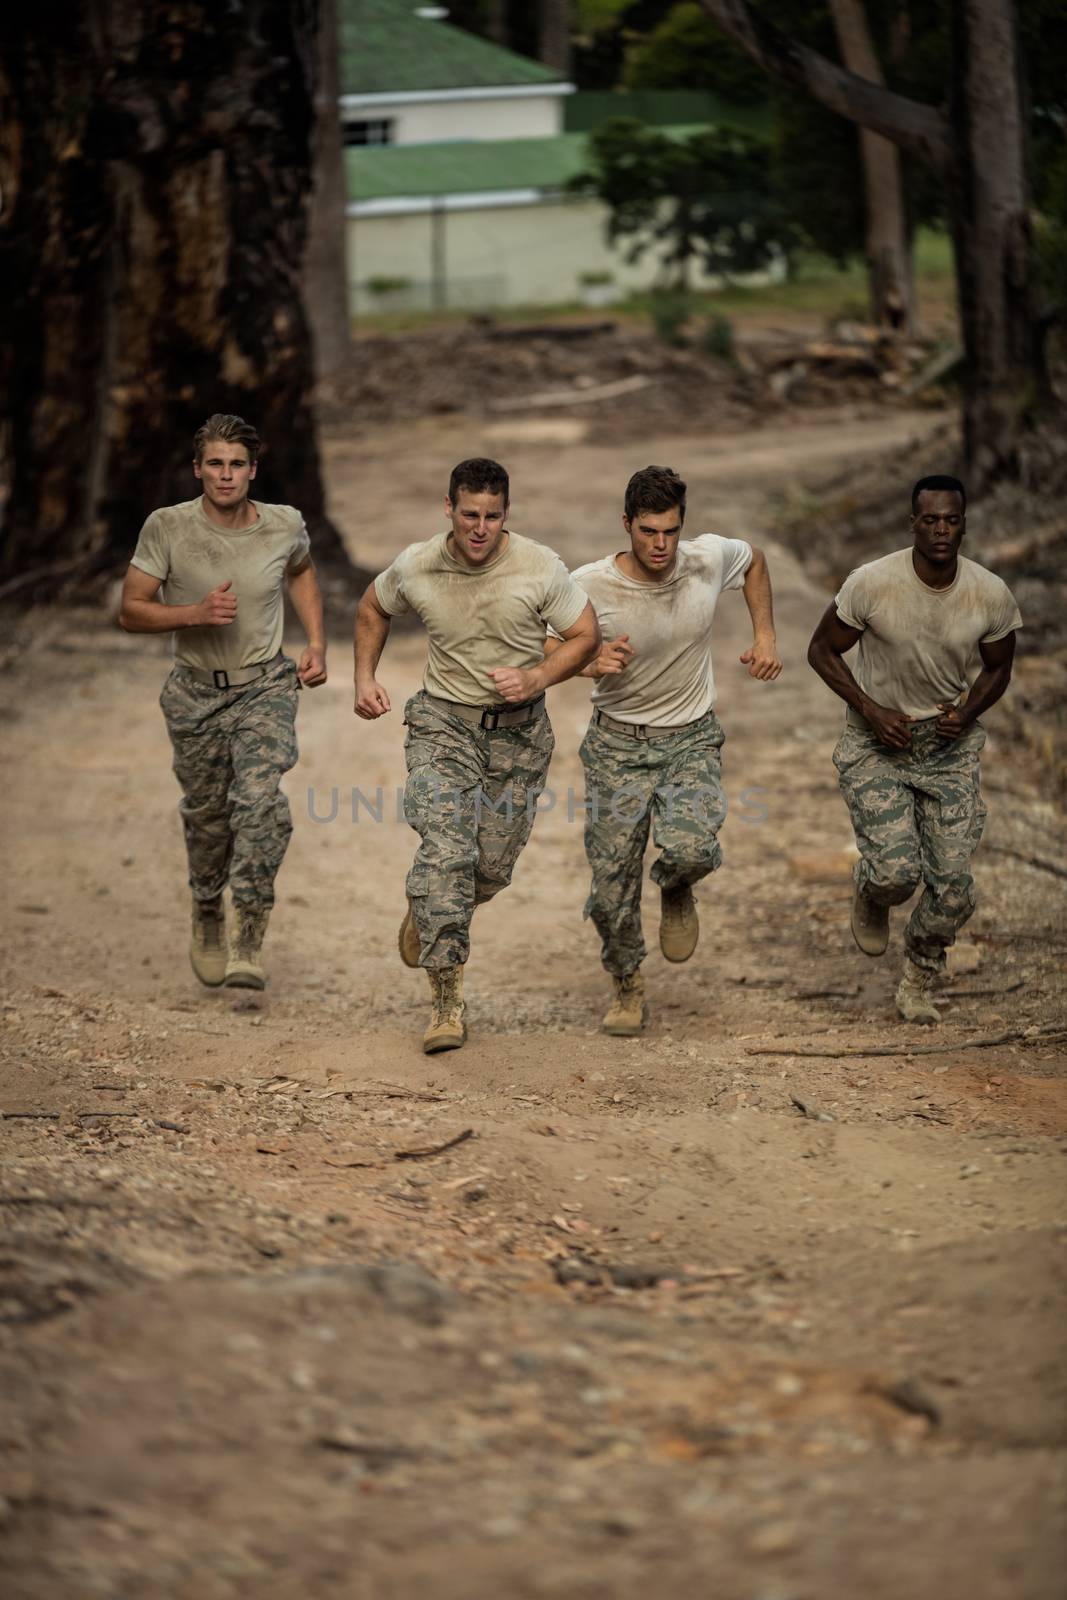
x: 567, y: 660
x: 306, y: 596
x: 757, y: 592
x: 372, y: 630
x: 552, y: 646
x: 985, y: 691
x: 835, y: 674
x: 152, y: 616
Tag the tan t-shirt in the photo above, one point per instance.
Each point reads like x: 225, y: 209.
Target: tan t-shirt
x: 193, y: 555
x: 480, y: 617
x: 919, y: 646
x: 669, y: 681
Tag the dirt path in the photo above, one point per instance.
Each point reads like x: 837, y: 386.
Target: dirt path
x: 694, y: 1311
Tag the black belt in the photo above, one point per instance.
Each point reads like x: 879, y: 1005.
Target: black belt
x: 238, y: 679
x: 492, y: 717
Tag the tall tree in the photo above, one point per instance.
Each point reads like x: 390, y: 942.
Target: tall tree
x: 325, y: 268
x: 554, y: 41
x: 978, y: 148
x: 888, y: 246
x: 155, y: 170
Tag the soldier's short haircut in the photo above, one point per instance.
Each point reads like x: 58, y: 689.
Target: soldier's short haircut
x: 234, y: 430
x: 939, y: 480
x: 479, y: 476
x: 654, y: 489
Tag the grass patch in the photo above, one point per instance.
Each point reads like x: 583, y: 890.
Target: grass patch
x: 817, y: 287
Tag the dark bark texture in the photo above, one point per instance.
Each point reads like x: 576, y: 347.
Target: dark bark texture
x: 155, y: 171
x: 325, y: 270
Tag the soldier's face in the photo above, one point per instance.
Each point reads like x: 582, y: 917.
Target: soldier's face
x: 654, y: 539
x: 477, y: 526
x: 938, y: 526
x: 226, y: 471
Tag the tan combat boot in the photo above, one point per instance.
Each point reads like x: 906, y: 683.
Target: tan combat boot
x: 244, y: 969
x: 870, y: 925
x: 913, y: 994
x: 626, y: 1015
x: 207, y: 948
x: 679, y: 929
x: 408, y: 941
x: 448, y: 1020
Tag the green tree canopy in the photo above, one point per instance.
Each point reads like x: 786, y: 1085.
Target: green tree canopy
x: 704, y: 198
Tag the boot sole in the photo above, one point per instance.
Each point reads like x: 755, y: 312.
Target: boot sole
x: 433, y: 1047
x: 401, y: 940
x: 244, y: 980
x: 876, y: 945
x: 677, y: 956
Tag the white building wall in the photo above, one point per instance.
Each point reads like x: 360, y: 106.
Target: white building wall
x: 493, y: 256
x: 469, y: 115
x: 539, y: 118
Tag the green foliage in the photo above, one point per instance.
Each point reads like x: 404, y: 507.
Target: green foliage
x: 1052, y: 230
x: 717, y: 337
x: 382, y: 284
x: 703, y: 198
x: 687, y: 51
x: 670, y: 310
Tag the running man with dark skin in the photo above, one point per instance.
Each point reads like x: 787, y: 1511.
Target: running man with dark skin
x: 478, y: 736
x: 936, y: 640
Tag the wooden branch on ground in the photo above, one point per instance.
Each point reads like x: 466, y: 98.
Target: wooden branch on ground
x: 433, y: 1149
x: 1012, y: 1036
x: 572, y: 397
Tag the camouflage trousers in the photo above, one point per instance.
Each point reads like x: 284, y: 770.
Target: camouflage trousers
x: 918, y: 817
x: 471, y: 795
x: 671, y: 784
x: 231, y: 747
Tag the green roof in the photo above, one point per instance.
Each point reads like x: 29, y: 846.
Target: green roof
x: 470, y: 166
x: 464, y: 166
x: 386, y: 48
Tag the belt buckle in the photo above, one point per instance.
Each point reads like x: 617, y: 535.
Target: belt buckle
x: 490, y: 711
x: 220, y: 672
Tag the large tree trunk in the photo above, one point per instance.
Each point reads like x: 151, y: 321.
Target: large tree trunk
x: 888, y: 251
x: 993, y: 237
x: 325, y: 272
x: 979, y: 152
x: 155, y: 175
x: 554, y: 35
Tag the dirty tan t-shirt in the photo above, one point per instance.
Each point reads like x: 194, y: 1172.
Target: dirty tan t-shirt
x: 669, y: 680
x: 480, y: 617
x: 919, y: 646
x: 193, y: 555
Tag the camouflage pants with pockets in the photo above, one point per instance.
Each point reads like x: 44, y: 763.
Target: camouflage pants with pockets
x: 671, y: 783
x: 471, y: 795
x: 231, y: 747
x: 918, y: 816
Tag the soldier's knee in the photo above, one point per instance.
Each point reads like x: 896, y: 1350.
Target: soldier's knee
x: 891, y: 882
x: 956, y: 898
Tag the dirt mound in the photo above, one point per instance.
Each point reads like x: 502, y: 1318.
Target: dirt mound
x: 622, y: 380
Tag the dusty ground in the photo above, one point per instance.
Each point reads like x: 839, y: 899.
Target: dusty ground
x: 767, y: 1304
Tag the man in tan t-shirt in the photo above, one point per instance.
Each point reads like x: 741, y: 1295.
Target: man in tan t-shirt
x: 651, y: 754
x: 221, y: 564
x: 479, y: 740
x: 936, y: 637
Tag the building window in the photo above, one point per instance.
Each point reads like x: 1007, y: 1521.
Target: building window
x: 377, y: 131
